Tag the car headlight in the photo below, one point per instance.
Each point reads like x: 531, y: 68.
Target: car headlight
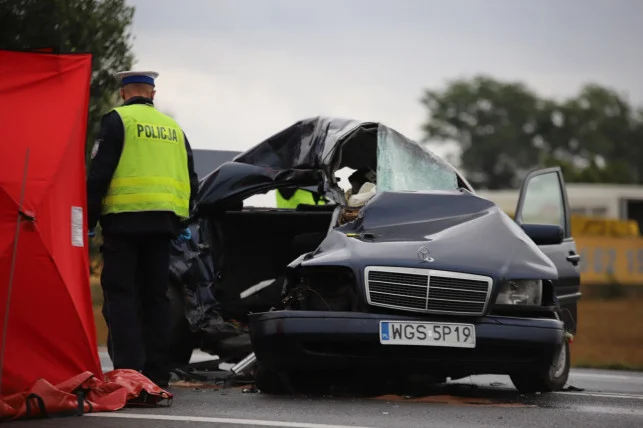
x: 521, y: 292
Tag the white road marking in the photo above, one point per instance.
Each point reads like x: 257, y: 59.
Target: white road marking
x: 609, y: 410
x: 607, y: 376
x: 231, y: 421
x: 602, y: 395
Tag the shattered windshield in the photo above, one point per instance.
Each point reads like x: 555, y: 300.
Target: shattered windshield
x: 405, y: 166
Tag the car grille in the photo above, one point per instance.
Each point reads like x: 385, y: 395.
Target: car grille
x: 425, y: 290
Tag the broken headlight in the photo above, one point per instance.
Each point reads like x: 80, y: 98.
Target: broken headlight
x: 521, y: 292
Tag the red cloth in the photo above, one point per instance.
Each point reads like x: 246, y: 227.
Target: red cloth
x: 50, y: 333
x: 120, y: 388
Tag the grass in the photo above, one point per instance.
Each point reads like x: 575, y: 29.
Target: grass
x: 97, y: 301
x: 101, y: 328
x: 610, y: 334
x: 610, y: 331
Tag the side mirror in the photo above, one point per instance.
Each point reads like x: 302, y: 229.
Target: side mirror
x: 544, y: 234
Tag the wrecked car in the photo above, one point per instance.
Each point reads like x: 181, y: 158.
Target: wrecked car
x: 407, y: 272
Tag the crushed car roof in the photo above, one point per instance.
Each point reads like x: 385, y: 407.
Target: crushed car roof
x: 307, y: 144
x: 299, y: 155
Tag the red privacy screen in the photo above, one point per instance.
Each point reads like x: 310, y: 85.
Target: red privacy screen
x: 50, y: 330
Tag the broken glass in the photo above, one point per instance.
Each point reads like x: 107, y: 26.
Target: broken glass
x: 403, y: 165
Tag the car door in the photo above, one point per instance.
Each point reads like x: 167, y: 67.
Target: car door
x: 543, y: 200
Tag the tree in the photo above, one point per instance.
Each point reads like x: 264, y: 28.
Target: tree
x: 495, y: 124
x: 597, y: 132
x: 504, y: 130
x: 100, y: 27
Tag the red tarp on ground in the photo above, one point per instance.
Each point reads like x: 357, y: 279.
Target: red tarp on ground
x: 84, y: 394
x: 50, y: 352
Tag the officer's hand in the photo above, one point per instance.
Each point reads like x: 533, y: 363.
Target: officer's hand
x: 186, y: 234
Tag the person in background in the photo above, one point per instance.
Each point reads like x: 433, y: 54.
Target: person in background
x: 141, y: 187
x: 291, y: 197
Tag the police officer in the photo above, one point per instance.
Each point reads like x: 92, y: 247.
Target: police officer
x: 291, y: 197
x: 141, y: 187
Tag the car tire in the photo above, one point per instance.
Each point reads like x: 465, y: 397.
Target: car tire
x: 549, y: 378
x: 182, y: 339
x: 271, y: 382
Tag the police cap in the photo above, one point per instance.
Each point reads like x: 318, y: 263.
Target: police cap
x: 127, y: 77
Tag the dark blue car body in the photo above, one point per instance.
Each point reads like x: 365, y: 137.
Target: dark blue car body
x: 437, y: 254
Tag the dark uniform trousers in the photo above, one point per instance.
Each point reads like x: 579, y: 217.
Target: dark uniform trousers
x: 135, y: 280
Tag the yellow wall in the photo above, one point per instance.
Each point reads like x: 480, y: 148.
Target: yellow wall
x: 610, y: 259
x: 594, y: 226
x: 590, y: 226
x: 611, y: 250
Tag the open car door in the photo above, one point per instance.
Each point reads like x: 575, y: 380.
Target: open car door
x: 543, y: 200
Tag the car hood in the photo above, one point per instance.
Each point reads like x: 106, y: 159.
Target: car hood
x: 463, y: 232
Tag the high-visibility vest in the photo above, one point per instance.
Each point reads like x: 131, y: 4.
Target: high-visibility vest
x: 301, y: 196
x: 152, y: 174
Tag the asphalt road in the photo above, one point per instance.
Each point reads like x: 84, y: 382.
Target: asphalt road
x: 608, y: 399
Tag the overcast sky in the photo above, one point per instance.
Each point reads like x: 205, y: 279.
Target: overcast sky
x: 234, y: 72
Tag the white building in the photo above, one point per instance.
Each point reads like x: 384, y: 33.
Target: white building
x: 595, y: 200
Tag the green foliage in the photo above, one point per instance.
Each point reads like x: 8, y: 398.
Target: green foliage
x: 505, y: 130
x: 101, y: 27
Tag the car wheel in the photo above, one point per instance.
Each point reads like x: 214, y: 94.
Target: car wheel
x: 552, y: 377
x: 271, y: 382
x: 182, y: 340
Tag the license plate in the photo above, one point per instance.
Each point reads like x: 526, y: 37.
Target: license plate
x: 427, y: 334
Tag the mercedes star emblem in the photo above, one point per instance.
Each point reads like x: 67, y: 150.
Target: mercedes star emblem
x: 424, y: 255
